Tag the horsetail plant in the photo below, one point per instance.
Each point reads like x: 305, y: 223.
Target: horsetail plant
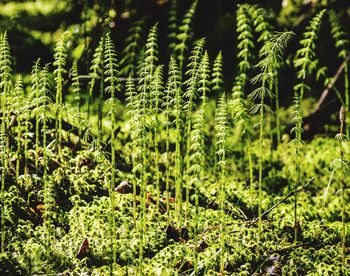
x: 45, y: 101
x: 76, y: 85
x: 306, y: 63
x: 297, y: 141
x: 270, y: 58
x: 113, y: 87
x: 18, y: 100
x: 60, y: 57
x: 241, y: 120
x: 245, y: 38
x: 128, y: 63
x: 221, y: 133
x: 146, y: 74
x: 156, y: 102
x: 177, y: 103
x: 306, y: 60
x: 204, y: 78
x: 172, y: 24
x: 172, y: 86
x: 184, y: 34
x: 190, y: 96
x: 133, y: 110
x: 96, y: 73
x: 342, y: 165
x: 217, y: 77
x: 3, y: 139
x: 35, y: 95
x: 196, y: 171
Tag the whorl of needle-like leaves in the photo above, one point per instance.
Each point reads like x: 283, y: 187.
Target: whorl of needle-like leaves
x: 204, y: 77
x: 44, y: 92
x: 297, y: 119
x: 238, y: 106
x: 340, y: 37
x: 60, y: 60
x: 306, y: 60
x: 35, y: 74
x: 261, y: 23
x: 111, y: 67
x: 245, y: 37
x: 147, y: 69
x: 184, y: 34
x: 192, y: 74
x: 5, y: 63
x: 217, y: 76
x: 151, y: 53
x: 221, y: 131
x: 131, y: 95
x: 133, y: 105
x: 270, y: 59
x: 197, y: 148
x: 172, y: 24
x: 18, y: 93
x: 75, y: 82
x: 96, y: 67
x: 128, y: 62
x: 75, y: 78
x: 174, y: 88
x: 157, y: 91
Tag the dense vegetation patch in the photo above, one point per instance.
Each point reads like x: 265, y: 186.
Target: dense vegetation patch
x: 151, y: 163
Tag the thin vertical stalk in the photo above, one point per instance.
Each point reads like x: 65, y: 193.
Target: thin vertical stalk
x: 342, y: 118
x: 261, y: 135
x: 346, y: 90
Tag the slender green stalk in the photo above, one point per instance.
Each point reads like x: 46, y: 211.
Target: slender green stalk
x: 112, y: 78
x: 341, y: 138
x: 297, y: 119
x: 146, y: 75
x: 342, y: 42
x: 221, y: 129
x: 196, y: 171
x: 3, y: 160
x: 271, y: 57
x: 191, y: 95
x: 306, y: 62
x: 96, y: 72
x: 156, y: 95
x: 133, y: 110
x: 35, y: 95
x: 60, y: 57
x: 17, y: 102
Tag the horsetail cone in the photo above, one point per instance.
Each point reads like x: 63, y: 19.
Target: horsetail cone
x: 342, y: 115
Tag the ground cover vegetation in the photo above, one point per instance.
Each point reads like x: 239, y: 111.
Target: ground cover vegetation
x: 148, y: 155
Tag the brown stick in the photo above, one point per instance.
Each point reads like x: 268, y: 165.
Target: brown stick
x: 267, y: 211
x: 331, y: 83
x: 284, y: 199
